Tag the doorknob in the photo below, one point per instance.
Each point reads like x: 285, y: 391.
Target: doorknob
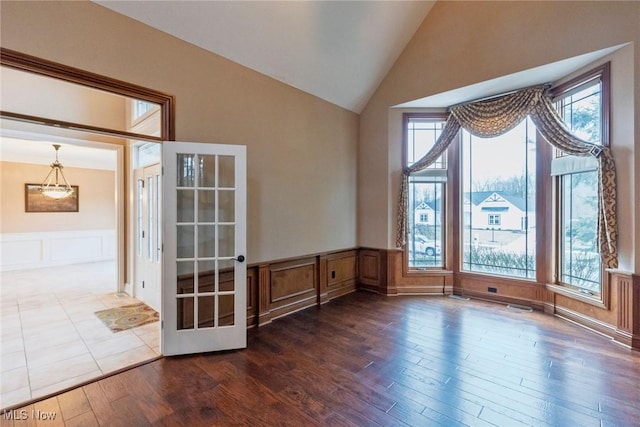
x: 239, y: 259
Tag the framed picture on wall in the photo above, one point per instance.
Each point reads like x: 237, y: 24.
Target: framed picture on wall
x: 35, y: 201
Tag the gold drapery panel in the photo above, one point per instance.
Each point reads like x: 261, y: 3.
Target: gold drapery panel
x: 499, y: 115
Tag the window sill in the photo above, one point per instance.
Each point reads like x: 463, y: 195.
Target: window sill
x: 595, y: 300
x: 428, y: 272
x: 498, y: 278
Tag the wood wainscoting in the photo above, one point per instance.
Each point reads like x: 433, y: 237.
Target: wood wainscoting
x: 628, y: 313
x: 373, y: 270
x: 615, y: 313
x: 382, y: 271
x: 282, y: 287
x: 499, y: 289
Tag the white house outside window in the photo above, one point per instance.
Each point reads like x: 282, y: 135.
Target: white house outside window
x: 498, y: 191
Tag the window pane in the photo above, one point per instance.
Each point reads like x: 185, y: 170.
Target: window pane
x: 424, y: 242
x: 581, y: 112
x: 580, y: 261
x: 498, y: 206
x: 206, y: 311
x: 425, y: 233
x: 186, y: 173
x: 421, y: 136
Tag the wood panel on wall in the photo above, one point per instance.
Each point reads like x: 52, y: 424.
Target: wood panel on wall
x: 252, y: 296
x: 628, y: 309
x: 282, y: 287
x: 500, y: 289
x: 373, y: 270
x: 285, y: 286
x: 416, y: 282
x: 383, y: 271
x: 615, y: 313
x: 338, y: 275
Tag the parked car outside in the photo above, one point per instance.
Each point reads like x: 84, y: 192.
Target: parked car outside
x: 427, y: 247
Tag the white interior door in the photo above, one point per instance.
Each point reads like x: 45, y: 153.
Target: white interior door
x: 148, y: 258
x: 204, y: 239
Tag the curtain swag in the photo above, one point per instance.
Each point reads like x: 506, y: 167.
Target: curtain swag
x: 499, y: 115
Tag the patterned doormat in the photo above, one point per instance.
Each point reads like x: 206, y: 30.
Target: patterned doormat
x: 128, y: 316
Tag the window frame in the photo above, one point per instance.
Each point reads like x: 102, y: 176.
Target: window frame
x: 460, y: 219
x: 601, y: 73
x: 492, y: 219
x: 444, y: 217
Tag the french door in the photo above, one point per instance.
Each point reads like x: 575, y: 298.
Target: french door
x: 204, y: 239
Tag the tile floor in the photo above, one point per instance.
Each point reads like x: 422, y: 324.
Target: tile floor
x: 50, y: 337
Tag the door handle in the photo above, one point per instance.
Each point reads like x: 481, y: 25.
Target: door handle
x: 239, y: 259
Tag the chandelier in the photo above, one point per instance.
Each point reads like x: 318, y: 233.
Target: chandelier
x: 56, y: 190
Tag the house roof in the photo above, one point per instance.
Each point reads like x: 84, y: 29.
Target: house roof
x: 434, y: 205
x: 478, y: 197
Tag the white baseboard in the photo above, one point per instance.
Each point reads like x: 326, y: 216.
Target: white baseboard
x: 20, y: 251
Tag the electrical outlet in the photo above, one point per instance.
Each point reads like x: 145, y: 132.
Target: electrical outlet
x: 494, y: 290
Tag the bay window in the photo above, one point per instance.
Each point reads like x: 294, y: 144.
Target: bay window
x: 501, y: 176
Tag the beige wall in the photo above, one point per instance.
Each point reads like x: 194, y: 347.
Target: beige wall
x: 301, y: 150
x: 462, y: 43
x: 97, y: 206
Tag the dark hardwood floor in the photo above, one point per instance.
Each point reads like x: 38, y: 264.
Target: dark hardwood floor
x: 366, y: 359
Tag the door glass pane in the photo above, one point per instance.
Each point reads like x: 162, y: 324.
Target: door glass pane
x: 225, y: 310
x: 185, y: 241
x: 207, y: 169
x: 206, y: 205
x: 186, y: 174
x: 206, y: 311
x: 185, y: 313
x: 226, y: 278
x: 139, y: 198
x: 206, y: 276
x: 226, y: 203
x: 185, y: 200
x: 226, y: 240
x: 227, y: 171
x: 206, y: 241
x: 150, y: 218
x: 158, y: 219
x: 185, y: 273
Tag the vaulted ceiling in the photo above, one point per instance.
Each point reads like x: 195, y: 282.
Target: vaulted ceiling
x: 336, y: 50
